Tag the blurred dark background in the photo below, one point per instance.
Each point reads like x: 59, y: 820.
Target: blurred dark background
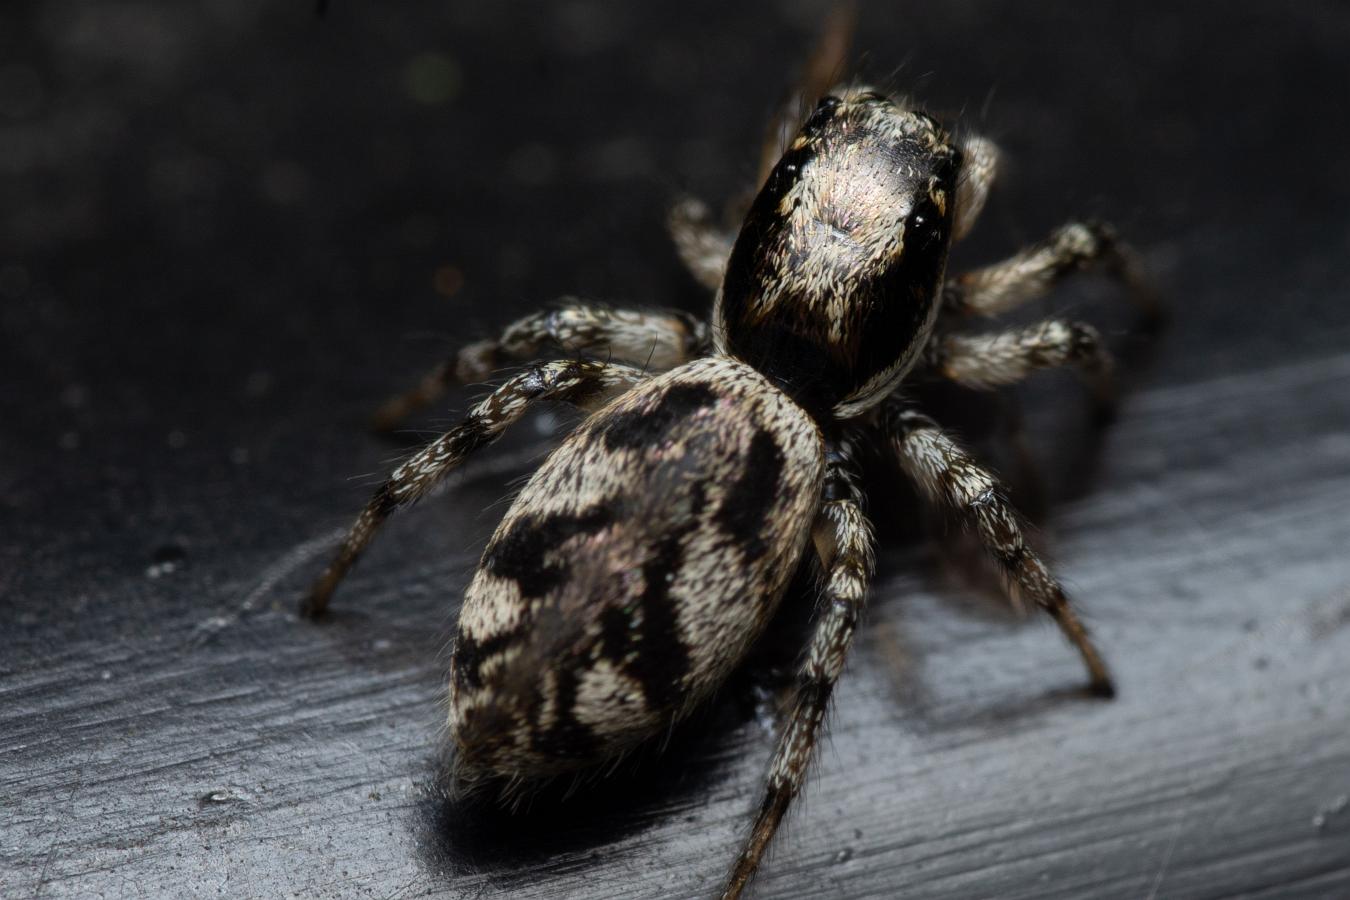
x: 228, y: 229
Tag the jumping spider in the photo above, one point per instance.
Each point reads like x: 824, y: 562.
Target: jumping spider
x: 649, y: 551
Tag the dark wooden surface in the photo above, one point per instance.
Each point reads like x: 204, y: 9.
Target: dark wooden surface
x: 221, y: 228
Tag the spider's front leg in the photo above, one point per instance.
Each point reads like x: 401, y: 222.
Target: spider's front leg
x: 949, y: 476
x: 821, y: 75
x: 702, y: 246
x: 1032, y: 272
x: 1072, y: 247
x: 581, y: 383
x: 657, y: 340
x: 843, y: 540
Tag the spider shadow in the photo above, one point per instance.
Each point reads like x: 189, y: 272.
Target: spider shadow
x: 377, y: 642
x: 564, y: 822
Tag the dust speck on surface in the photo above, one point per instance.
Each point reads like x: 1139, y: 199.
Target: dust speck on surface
x: 1324, y: 815
x: 221, y: 797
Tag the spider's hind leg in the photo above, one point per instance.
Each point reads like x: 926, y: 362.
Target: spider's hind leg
x: 584, y: 384
x: 843, y: 540
x: 949, y: 476
x: 655, y: 339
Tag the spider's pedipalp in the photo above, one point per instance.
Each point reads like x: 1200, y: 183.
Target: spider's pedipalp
x: 979, y: 169
x: 701, y: 245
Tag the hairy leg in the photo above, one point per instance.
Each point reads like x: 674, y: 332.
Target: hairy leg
x: 843, y: 540
x: 984, y: 361
x: 585, y: 384
x: 1032, y: 272
x: 656, y: 340
x: 949, y: 476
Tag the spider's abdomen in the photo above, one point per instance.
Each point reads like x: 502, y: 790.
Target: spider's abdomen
x: 833, y: 283
x: 633, y: 571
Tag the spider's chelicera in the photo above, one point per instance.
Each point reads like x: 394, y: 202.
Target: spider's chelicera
x: 649, y: 551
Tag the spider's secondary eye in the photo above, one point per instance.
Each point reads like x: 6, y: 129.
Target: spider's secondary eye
x: 925, y: 212
x: 821, y: 115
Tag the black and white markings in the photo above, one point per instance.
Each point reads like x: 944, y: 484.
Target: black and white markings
x: 654, y: 545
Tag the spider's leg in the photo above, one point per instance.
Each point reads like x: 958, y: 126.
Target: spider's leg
x: 1032, y: 272
x: 822, y: 72
x: 654, y: 339
x: 844, y: 543
x: 585, y: 384
x: 949, y: 476
x: 701, y: 245
x: 985, y: 361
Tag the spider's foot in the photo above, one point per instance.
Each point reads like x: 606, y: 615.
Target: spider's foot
x: 315, y: 603
x: 1104, y: 688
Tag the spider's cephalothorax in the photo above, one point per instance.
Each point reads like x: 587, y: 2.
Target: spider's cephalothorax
x: 651, y: 548
x: 832, y: 285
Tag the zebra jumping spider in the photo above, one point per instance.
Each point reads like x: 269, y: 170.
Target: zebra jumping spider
x: 647, y: 554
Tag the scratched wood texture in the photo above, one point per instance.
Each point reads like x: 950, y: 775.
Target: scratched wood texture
x: 227, y: 230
